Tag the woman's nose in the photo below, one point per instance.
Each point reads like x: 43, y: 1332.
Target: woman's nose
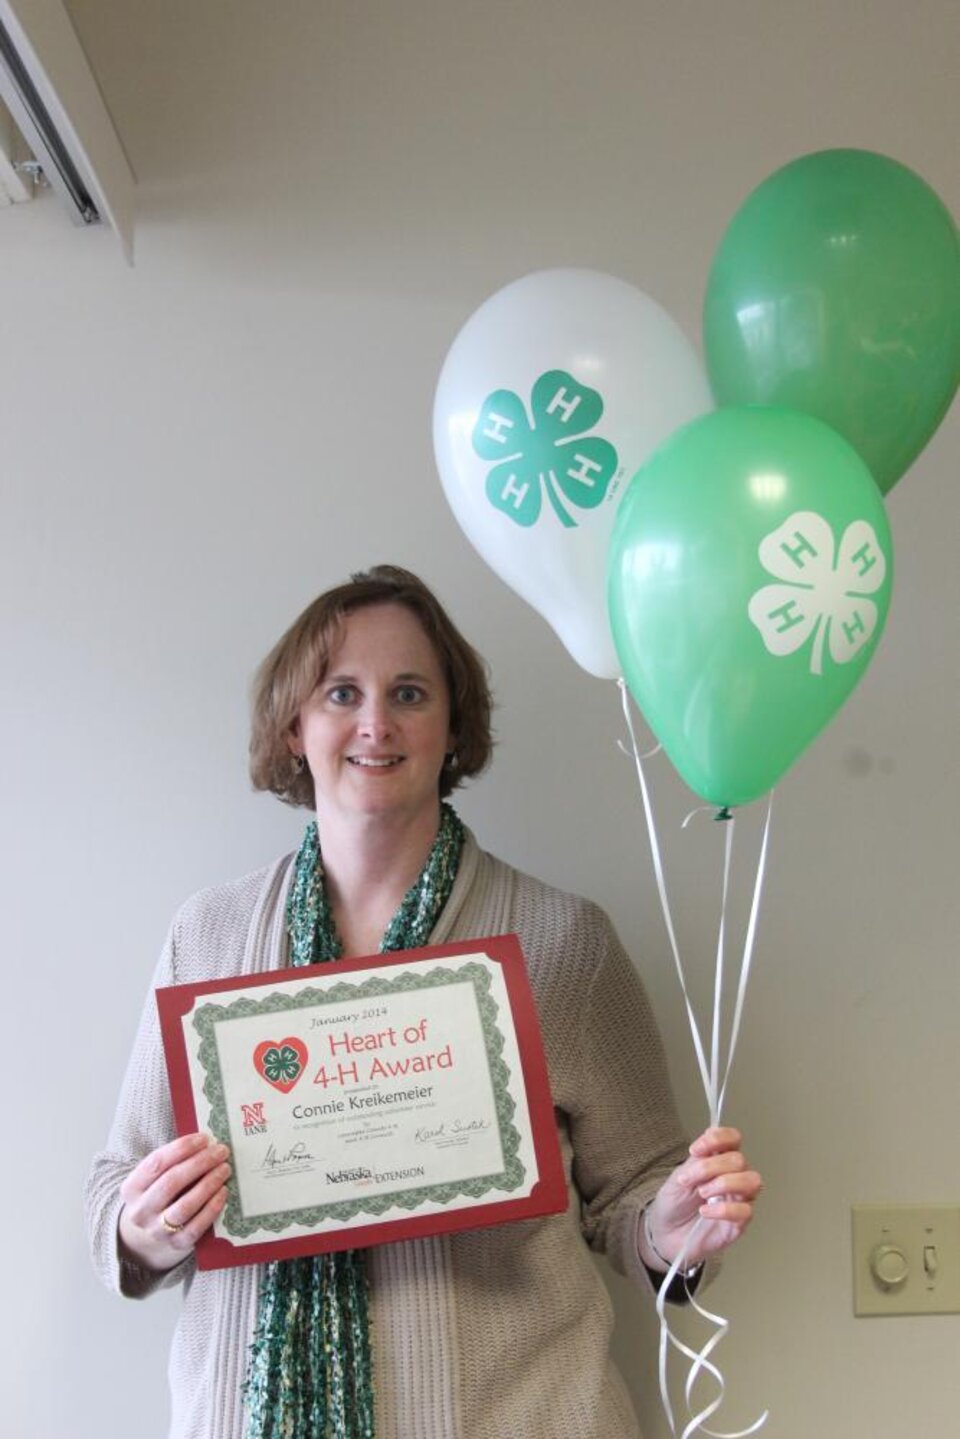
x: 374, y: 721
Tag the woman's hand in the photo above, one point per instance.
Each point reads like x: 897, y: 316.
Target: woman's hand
x: 171, y: 1198
x: 714, y: 1184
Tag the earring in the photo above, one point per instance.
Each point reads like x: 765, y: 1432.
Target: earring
x: 451, y: 760
x: 298, y: 763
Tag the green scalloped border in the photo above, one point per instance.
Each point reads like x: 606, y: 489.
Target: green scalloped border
x: 512, y: 1176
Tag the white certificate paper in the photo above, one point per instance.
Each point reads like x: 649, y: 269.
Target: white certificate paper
x: 367, y: 1100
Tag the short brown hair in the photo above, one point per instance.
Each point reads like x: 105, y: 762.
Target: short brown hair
x: 298, y: 662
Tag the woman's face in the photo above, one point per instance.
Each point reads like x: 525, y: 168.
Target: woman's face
x: 376, y: 728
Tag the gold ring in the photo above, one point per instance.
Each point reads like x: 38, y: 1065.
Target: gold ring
x: 170, y: 1228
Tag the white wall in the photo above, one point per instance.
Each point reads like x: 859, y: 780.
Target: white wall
x: 192, y: 449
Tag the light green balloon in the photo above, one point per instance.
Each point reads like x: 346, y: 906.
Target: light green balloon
x: 749, y: 580
x: 836, y: 291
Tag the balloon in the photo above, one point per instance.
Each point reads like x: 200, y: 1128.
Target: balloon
x: 750, y: 575
x: 554, y: 391
x: 836, y: 291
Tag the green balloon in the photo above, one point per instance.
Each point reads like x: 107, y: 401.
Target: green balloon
x: 748, y: 585
x: 836, y: 291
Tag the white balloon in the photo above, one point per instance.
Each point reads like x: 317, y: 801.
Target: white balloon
x: 552, y: 395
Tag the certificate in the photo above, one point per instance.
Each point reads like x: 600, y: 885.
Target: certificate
x: 367, y: 1100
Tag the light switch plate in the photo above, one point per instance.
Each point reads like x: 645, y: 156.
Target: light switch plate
x: 906, y: 1259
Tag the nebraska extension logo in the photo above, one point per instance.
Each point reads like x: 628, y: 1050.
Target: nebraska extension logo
x: 253, y: 1118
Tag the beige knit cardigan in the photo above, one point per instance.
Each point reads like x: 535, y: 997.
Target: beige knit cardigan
x: 498, y: 1333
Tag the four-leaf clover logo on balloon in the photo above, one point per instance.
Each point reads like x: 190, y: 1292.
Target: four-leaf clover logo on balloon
x: 824, y: 588
x: 281, y: 1062
x: 553, y: 453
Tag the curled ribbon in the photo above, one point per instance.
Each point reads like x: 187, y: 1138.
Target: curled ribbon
x: 714, y: 1075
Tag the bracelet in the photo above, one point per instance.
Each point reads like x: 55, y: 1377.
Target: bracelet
x: 687, y: 1273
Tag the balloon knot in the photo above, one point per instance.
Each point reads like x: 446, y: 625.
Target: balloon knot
x: 723, y: 813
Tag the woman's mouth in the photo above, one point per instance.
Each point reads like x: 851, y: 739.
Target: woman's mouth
x: 374, y: 762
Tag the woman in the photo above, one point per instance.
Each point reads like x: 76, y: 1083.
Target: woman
x: 372, y: 709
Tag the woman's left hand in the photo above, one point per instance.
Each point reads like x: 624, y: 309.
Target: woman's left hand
x: 716, y: 1185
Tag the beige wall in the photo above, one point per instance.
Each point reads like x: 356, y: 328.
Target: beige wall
x: 191, y: 449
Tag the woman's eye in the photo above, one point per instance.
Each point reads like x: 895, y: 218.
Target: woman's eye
x: 409, y: 694
x: 341, y: 694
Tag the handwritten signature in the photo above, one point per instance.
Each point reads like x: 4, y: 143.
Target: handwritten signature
x: 295, y: 1155
x: 444, y: 1131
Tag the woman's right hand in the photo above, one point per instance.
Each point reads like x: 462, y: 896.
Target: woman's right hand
x: 171, y: 1198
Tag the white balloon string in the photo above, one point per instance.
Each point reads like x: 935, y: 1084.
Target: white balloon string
x: 700, y: 1360
x: 700, y: 809
x: 664, y: 901
x: 722, y: 1326
x: 718, y: 972
x: 628, y: 751
x: 747, y: 960
x: 667, y: 1337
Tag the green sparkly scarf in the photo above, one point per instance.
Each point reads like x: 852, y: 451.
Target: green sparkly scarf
x: 310, y: 1372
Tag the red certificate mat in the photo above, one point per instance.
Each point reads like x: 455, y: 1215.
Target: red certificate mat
x: 367, y: 1100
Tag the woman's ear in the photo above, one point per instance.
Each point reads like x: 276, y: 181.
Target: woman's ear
x: 293, y: 738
